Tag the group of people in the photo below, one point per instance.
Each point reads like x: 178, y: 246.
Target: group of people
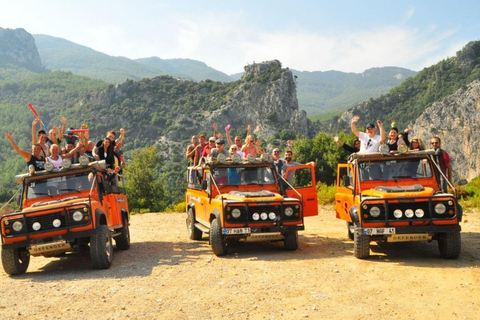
x: 216, y: 145
x: 370, y: 142
x: 48, y: 148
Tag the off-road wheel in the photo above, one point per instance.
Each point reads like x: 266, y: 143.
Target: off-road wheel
x: 290, y: 240
x: 350, y: 230
x: 361, y: 244
x: 193, y: 232
x: 449, y: 244
x: 101, y: 249
x: 217, y: 240
x: 15, y: 261
x: 123, y: 239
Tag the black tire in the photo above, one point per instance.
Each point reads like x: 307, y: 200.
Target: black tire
x: 361, y: 244
x: 123, y: 240
x: 350, y: 230
x: 290, y: 240
x: 217, y: 240
x: 101, y: 248
x: 449, y: 244
x: 15, y: 261
x: 193, y: 232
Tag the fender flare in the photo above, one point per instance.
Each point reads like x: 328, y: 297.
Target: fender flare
x: 100, y: 217
x: 459, y: 212
x: 214, y: 214
x: 354, y: 214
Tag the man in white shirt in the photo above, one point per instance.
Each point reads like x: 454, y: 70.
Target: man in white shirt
x: 369, y: 141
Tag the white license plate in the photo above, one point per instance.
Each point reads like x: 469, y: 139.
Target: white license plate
x: 373, y: 231
x: 236, y: 231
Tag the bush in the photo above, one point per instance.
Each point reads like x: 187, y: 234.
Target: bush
x: 325, y: 193
x: 179, y: 207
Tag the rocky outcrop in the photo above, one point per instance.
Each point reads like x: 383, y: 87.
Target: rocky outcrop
x: 18, y: 47
x: 267, y: 99
x: 456, y: 120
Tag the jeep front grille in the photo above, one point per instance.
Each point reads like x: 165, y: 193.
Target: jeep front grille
x: 248, y: 211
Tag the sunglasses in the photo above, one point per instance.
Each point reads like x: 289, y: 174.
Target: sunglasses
x: 433, y: 142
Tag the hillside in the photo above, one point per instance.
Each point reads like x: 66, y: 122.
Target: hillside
x: 409, y: 100
x: 320, y: 93
x: 442, y: 100
x: 61, y: 54
x: 19, y: 58
x: 161, y: 111
x: 186, y: 68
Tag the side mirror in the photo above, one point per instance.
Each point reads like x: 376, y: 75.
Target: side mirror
x: 204, y: 184
x: 346, y: 181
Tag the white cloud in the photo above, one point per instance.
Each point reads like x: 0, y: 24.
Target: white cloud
x: 225, y: 43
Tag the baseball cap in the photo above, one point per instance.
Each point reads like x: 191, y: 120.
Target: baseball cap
x: 220, y: 141
x: 370, y: 125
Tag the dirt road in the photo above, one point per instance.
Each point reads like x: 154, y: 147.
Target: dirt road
x: 167, y: 276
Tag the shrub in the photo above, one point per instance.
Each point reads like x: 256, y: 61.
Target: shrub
x: 325, y: 193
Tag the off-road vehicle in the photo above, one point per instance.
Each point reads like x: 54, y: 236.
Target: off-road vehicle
x: 79, y: 207
x: 398, y: 197
x: 244, y: 200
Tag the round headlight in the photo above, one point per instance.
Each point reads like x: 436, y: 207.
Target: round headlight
x: 263, y: 216
x: 419, y: 213
x: 384, y: 149
x: 83, y: 160
x: 236, y: 158
x: 48, y: 166
x: 77, y: 216
x: 402, y: 148
x: 251, y: 157
x: 255, y: 216
x: 66, y: 163
x: 397, y: 213
x: 374, y: 211
x: 409, y: 213
x: 236, y: 213
x: 440, y: 208
x: 221, y: 158
x: 272, y: 215
x: 57, y: 223
x: 36, y: 226
x: 17, y: 226
x: 288, y: 211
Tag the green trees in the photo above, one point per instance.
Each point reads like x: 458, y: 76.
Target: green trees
x: 144, y: 186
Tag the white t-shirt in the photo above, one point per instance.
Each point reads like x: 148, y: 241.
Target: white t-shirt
x: 369, y: 145
x: 57, y: 164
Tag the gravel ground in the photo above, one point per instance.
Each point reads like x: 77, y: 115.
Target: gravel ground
x: 167, y: 276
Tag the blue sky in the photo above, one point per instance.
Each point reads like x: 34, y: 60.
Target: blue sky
x: 348, y: 36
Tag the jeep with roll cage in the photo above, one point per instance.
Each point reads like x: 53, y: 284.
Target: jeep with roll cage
x: 398, y: 197
x: 237, y: 199
x: 79, y: 207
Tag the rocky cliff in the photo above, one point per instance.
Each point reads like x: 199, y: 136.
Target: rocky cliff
x: 456, y: 120
x: 266, y: 98
x: 18, y: 47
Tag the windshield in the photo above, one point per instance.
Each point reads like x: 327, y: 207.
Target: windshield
x: 395, y: 169
x: 243, y: 176
x: 59, y: 185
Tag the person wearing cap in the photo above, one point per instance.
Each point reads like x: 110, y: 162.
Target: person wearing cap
x: 351, y: 149
x: 208, y: 148
x: 369, y: 141
x: 219, y: 149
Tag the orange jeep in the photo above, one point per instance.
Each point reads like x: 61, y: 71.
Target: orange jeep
x: 65, y: 211
x: 244, y: 200
x: 395, y: 198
